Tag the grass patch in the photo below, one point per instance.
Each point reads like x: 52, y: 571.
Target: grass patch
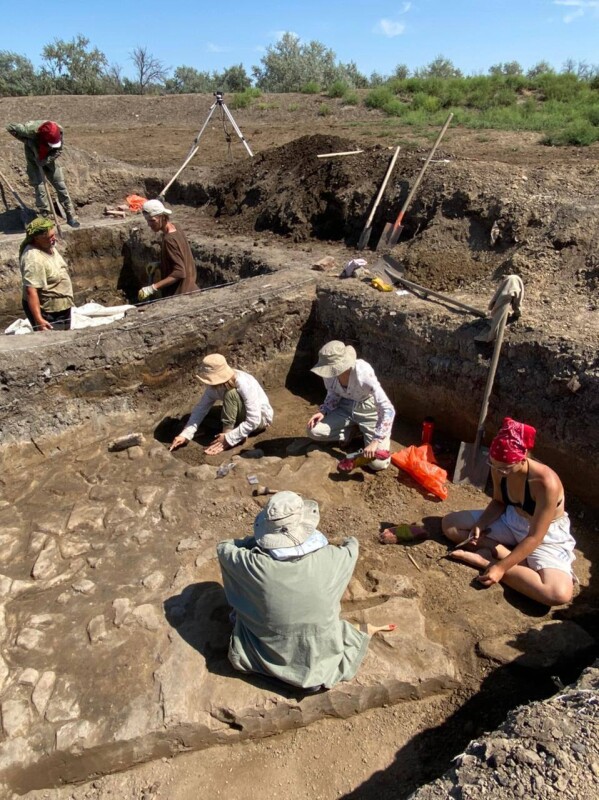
x: 310, y: 88
x: 293, y: 107
x: 351, y: 99
x: 337, y: 89
x: 324, y: 110
x: 244, y: 99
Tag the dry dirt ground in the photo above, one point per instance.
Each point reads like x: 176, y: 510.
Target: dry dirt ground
x: 544, y: 204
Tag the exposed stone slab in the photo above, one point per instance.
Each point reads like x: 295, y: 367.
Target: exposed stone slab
x: 540, y: 647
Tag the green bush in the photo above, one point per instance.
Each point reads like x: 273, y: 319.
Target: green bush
x: 241, y: 100
x: 426, y: 102
x: 580, y: 133
x: 323, y: 110
x: 351, y: 99
x: 337, y: 89
x: 592, y: 114
x: 379, y: 97
x: 394, y: 108
x: 310, y: 88
x: 293, y: 107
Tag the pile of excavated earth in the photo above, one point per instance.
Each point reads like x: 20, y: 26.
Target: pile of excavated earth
x: 114, y: 624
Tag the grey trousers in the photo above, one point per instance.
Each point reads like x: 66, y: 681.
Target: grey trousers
x: 55, y: 176
x: 342, y: 424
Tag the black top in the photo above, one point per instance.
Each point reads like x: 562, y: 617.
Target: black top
x: 529, y: 503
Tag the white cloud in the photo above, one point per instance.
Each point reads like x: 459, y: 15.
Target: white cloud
x: 216, y: 48
x: 406, y: 7
x: 579, y: 8
x: 389, y: 27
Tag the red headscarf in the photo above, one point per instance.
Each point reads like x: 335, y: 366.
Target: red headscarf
x: 512, y: 442
x: 49, y: 137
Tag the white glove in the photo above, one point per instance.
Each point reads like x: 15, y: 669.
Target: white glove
x: 145, y: 292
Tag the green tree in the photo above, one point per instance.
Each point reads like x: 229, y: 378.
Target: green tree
x: 73, y: 67
x: 542, y: 68
x: 401, y: 72
x: 149, y: 70
x: 17, y: 75
x: 439, y: 67
x: 290, y: 65
x: 232, y: 79
x: 187, y: 80
x: 506, y: 68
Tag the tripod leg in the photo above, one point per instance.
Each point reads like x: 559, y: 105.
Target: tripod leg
x: 194, y: 149
x: 236, y: 129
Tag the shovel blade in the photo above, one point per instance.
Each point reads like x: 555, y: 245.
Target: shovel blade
x: 471, y: 466
x: 391, y: 234
x: 364, y: 238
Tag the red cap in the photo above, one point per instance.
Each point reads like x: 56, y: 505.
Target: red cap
x: 512, y: 442
x: 50, y: 134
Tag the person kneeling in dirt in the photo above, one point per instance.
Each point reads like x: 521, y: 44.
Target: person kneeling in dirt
x: 42, y: 140
x: 245, y: 409
x: 527, y: 542
x: 177, y: 265
x: 354, y: 401
x: 47, y: 289
x: 285, y: 584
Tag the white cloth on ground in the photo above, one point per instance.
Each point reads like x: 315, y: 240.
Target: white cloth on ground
x: 258, y: 410
x: 89, y: 315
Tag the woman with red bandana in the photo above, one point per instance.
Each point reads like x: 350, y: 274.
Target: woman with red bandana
x: 522, y: 538
x: 42, y: 140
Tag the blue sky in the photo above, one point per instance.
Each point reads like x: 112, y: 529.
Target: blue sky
x: 376, y: 34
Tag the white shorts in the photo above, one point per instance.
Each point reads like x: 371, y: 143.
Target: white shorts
x: 556, y: 550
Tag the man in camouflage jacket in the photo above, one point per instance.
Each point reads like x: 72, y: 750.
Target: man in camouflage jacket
x: 42, y: 140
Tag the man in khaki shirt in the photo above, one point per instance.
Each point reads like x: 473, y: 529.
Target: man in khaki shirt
x: 47, y: 289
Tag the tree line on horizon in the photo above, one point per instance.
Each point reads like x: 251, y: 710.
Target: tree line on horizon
x: 76, y: 67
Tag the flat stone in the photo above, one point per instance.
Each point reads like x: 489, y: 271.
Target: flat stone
x: 135, y: 452
x: 87, y: 517
x: 3, y: 626
x: 96, y: 629
x: 153, y: 581
x: 540, y: 647
x: 36, y: 542
x: 256, y: 452
x: 16, y: 717
x: 204, y: 472
x: 63, y: 705
x: 48, y: 562
x: 73, y: 735
x: 146, y: 617
x: 4, y: 672
x: 192, y: 543
x: 145, y: 495
x: 41, y: 621
x: 142, y: 537
x: 54, y: 521
x: 43, y: 691
x: 160, y: 453
x: 84, y: 586
x: 10, y: 544
x: 122, y: 608
x: 120, y: 512
x: 170, y: 508
x: 393, y: 585
x: 102, y: 493
x: 29, y: 677
x: 73, y: 546
x: 5, y: 585
x: 30, y: 639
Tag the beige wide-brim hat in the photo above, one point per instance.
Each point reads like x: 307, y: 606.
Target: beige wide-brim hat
x: 287, y: 520
x: 334, y: 358
x: 214, y: 370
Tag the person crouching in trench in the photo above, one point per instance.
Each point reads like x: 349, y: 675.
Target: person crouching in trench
x: 245, y: 410
x: 285, y: 585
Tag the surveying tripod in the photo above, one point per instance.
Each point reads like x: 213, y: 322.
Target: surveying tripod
x: 218, y: 103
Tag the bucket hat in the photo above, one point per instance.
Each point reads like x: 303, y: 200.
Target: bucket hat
x: 287, y: 520
x: 214, y: 370
x: 334, y: 358
x: 154, y: 208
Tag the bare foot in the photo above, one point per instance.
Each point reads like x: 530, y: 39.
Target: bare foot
x: 387, y: 537
x: 473, y: 559
x: 366, y: 627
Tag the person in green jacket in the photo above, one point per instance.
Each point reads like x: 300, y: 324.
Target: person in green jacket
x: 285, y: 584
x: 43, y: 142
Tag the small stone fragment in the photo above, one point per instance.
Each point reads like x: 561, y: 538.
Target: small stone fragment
x: 4, y: 672
x: 16, y: 717
x: 124, y: 442
x: 73, y: 735
x: 43, y: 691
x: 96, y: 629
x: 191, y: 543
x: 84, y: 586
x: 47, y: 563
x: 122, y: 607
x: 153, y: 581
x: 63, y: 705
x: 29, y: 639
x: 146, y: 617
x: 135, y: 452
x: 29, y: 677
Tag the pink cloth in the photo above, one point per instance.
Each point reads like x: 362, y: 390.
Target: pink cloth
x: 512, y: 442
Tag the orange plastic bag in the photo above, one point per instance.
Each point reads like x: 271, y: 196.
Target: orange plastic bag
x: 419, y: 462
x: 135, y: 202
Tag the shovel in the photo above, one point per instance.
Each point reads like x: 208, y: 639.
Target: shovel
x: 27, y: 214
x: 50, y: 202
x: 471, y: 466
x: 392, y: 231
x: 365, y: 236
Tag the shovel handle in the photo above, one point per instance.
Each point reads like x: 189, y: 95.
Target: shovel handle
x: 490, y: 379
x: 50, y: 201
x: 383, y: 187
x: 405, y: 206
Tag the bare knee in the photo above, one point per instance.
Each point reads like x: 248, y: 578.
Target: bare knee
x: 450, y: 529
x: 561, y: 595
